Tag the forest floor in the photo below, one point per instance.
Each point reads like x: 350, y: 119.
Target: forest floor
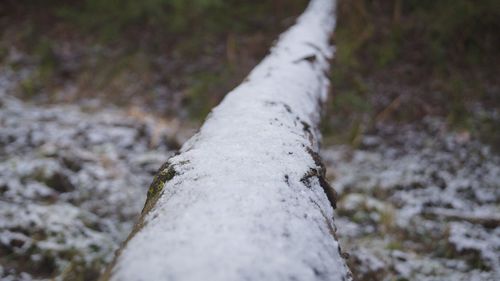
x: 417, y: 201
x: 412, y: 136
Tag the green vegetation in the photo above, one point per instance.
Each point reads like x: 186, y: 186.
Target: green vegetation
x: 401, y: 60
x: 111, y: 18
x: 121, y: 50
x: 396, y: 60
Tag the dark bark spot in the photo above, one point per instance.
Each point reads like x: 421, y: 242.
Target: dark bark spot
x: 331, y: 194
x: 287, y: 108
x: 273, y: 103
x: 306, y: 178
x: 317, y: 160
x: 287, y: 180
x: 317, y: 272
x: 311, y: 59
x: 320, y: 173
x: 305, y: 126
x: 307, y: 130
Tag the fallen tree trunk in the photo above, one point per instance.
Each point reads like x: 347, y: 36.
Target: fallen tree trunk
x: 246, y: 198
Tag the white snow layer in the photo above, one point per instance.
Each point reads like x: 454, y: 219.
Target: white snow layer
x: 238, y: 207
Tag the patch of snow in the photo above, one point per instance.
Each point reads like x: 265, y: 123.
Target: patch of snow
x: 71, y: 184
x: 437, y: 196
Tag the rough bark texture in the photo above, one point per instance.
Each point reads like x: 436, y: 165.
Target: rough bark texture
x: 246, y: 197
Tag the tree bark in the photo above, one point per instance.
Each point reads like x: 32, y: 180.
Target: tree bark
x: 246, y: 198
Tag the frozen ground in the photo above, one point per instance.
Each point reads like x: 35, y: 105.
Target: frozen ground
x: 71, y: 185
x: 418, y: 202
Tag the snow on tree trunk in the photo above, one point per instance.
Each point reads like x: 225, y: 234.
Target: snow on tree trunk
x: 246, y: 198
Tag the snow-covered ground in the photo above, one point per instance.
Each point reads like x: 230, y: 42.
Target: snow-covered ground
x: 71, y: 185
x: 418, y: 202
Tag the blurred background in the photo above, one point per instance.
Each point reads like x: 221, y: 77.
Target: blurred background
x: 96, y: 94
